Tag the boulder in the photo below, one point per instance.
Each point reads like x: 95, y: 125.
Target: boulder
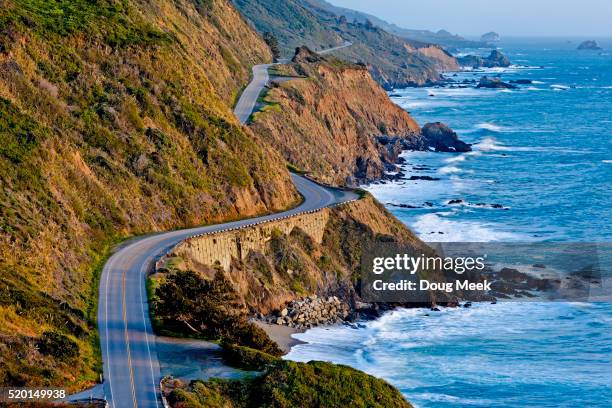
x: 443, y: 139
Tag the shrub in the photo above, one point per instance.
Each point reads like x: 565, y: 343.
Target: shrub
x: 246, y: 358
x: 57, y: 345
x: 187, y: 303
x: 289, y: 384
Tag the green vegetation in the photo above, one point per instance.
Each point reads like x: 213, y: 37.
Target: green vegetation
x: 272, y: 42
x: 114, y: 121
x: 246, y: 358
x: 185, y: 303
x: 294, y: 169
x: 106, y: 20
x: 291, y: 23
x: 289, y: 384
x: 395, y: 61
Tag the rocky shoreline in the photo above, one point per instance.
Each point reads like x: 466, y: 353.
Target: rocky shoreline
x: 309, y: 312
x: 508, y: 284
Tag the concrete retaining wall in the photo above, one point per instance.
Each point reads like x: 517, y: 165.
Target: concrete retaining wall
x: 221, y: 247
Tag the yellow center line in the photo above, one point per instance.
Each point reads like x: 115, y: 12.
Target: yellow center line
x: 127, y: 341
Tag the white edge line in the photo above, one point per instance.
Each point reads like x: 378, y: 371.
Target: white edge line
x: 144, y: 322
x: 108, y: 362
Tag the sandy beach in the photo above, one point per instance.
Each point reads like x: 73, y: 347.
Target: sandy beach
x: 281, y: 335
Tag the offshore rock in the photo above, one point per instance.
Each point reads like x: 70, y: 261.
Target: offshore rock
x: 441, y: 138
x: 495, y: 60
x: 494, y: 83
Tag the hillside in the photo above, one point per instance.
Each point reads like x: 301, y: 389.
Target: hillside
x: 441, y: 37
x: 115, y: 120
x: 393, y: 61
x: 327, y: 123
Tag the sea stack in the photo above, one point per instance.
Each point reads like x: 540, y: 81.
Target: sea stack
x: 490, y: 37
x: 494, y: 60
x: 589, y: 45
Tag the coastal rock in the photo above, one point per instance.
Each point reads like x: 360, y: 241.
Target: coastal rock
x: 494, y: 83
x: 305, y: 55
x: 310, y: 312
x: 427, y: 178
x: 443, y: 139
x: 590, y: 45
x: 491, y: 36
x: 495, y: 60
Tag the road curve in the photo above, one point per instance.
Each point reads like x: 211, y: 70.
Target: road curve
x: 129, y: 354
x: 246, y: 103
x: 131, y: 367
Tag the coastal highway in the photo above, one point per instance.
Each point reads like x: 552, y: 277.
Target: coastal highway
x: 129, y: 354
x: 245, y: 105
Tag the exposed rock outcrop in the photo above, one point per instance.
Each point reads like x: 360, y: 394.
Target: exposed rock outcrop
x: 494, y: 60
x: 589, y: 45
x: 327, y: 123
x: 441, y: 138
x: 491, y: 36
x: 494, y: 83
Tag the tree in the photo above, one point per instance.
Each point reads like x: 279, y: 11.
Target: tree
x: 272, y: 42
x: 188, y: 303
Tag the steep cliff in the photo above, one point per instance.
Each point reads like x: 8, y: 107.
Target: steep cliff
x: 115, y: 120
x: 327, y: 122
x: 293, y: 264
x: 392, y: 60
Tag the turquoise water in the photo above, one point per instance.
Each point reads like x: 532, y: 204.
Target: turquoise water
x: 544, y: 153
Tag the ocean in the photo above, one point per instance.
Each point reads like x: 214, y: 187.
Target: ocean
x: 540, y: 171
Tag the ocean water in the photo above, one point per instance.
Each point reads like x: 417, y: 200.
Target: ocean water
x: 544, y: 153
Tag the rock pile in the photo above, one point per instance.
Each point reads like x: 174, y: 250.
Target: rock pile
x: 311, y: 311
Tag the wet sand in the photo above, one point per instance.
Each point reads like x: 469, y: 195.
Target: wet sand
x: 281, y: 335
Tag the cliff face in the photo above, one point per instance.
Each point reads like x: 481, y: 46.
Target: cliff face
x: 327, y: 123
x: 443, y: 61
x: 393, y: 61
x: 115, y: 120
x: 293, y: 263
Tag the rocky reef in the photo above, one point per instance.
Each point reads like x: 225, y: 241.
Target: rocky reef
x: 494, y: 60
x: 494, y: 83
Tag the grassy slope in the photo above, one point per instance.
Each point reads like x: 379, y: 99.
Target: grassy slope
x: 393, y: 61
x: 114, y: 121
x: 290, y: 384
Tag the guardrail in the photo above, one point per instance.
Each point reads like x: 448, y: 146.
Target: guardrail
x: 161, y: 391
x: 159, y: 262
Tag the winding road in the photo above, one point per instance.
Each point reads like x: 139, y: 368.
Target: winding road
x: 129, y: 354
x: 245, y: 105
